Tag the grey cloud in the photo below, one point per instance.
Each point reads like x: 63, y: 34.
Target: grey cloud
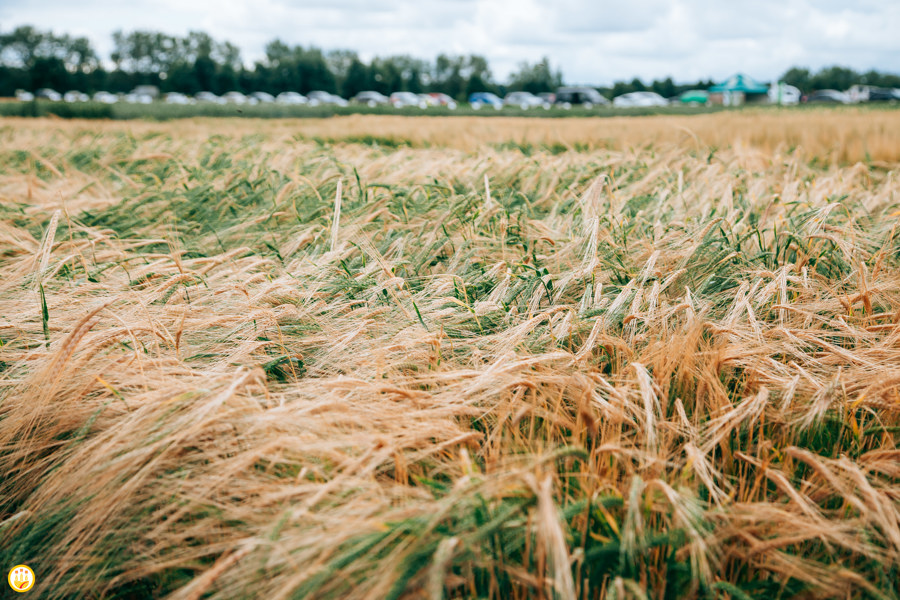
x: 576, y: 16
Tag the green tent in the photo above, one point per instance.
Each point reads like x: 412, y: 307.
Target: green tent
x: 740, y: 83
x: 690, y: 96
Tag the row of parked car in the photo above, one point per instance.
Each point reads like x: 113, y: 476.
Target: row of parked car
x: 139, y: 96
x: 565, y: 97
x: 855, y: 95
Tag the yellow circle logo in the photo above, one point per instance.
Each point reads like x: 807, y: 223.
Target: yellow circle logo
x: 21, y: 578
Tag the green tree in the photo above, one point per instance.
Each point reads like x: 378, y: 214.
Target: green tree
x: 478, y: 75
x: 339, y: 62
x: 664, y: 87
x: 536, y: 78
x: 49, y: 72
x: 834, y: 78
x: 797, y: 77
x: 145, y: 51
x: 447, y: 76
x: 22, y: 46
x: 295, y: 68
x: 36, y: 58
x: 386, y: 75
x: 358, y: 79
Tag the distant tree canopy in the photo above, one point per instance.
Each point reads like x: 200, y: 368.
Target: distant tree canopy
x: 837, y: 78
x: 536, y: 78
x: 31, y: 59
x: 664, y: 87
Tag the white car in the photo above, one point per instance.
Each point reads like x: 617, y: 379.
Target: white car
x: 208, y: 98
x: 370, y: 98
x: 105, y: 98
x: 134, y: 98
x: 74, y: 96
x: 429, y: 100
x: 319, y: 97
x: 525, y: 100
x: 23, y: 96
x: 262, y: 97
x: 176, y: 98
x: 782, y: 93
x: 443, y: 100
x: 828, y: 97
x: 48, y: 94
x: 639, y: 99
x: 235, y: 98
x: 291, y: 98
x: 404, y: 99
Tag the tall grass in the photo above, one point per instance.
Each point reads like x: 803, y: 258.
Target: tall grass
x: 662, y: 371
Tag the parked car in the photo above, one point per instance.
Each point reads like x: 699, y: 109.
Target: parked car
x: 859, y: 93
x: 262, y: 97
x: 480, y: 99
x: 587, y: 97
x: 428, y: 100
x: 404, y: 99
x: 639, y: 99
x: 370, y: 98
x: 693, y: 97
x: 48, y: 94
x: 235, y: 98
x: 23, y: 96
x: 75, y: 96
x: 208, y: 98
x: 177, y: 98
x: 291, y: 98
x: 318, y: 97
x: 443, y: 100
x: 883, y: 95
x: 147, y: 90
x: 548, y: 97
x: 133, y: 98
x: 524, y: 100
x: 105, y: 97
x: 827, y: 97
x: 782, y: 93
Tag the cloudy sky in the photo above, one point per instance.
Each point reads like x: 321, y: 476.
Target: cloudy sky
x: 596, y: 41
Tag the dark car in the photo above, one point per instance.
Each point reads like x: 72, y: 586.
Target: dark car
x: 585, y: 96
x: 827, y: 97
x: 884, y: 95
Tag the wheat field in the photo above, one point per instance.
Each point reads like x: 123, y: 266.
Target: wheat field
x: 452, y: 358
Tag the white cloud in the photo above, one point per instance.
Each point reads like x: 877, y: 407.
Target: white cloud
x: 592, y: 41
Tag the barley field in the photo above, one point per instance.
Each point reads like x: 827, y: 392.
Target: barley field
x: 379, y: 357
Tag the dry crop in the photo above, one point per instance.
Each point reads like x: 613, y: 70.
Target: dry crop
x: 641, y: 371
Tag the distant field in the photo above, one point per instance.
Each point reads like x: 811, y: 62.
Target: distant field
x: 384, y: 357
x: 842, y: 135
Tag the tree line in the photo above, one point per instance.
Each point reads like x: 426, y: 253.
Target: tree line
x: 31, y: 59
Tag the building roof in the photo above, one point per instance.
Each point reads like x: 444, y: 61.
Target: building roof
x: 694, y: 96
x: 740, y: 83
